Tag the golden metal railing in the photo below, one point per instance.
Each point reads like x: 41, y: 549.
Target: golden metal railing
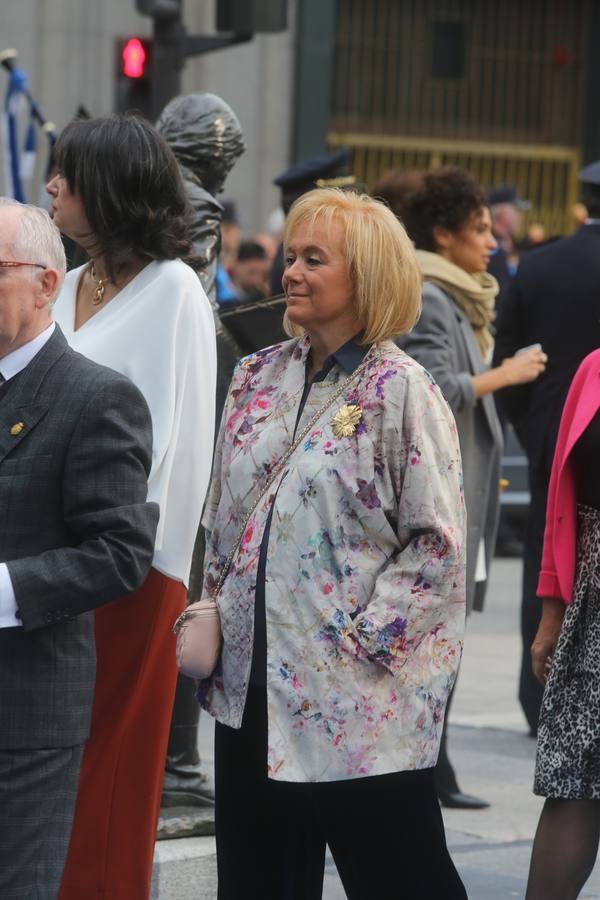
x: 546, y: 176
x: 517, y: 74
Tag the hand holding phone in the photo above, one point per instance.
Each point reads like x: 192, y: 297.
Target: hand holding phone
x: 527, y: 348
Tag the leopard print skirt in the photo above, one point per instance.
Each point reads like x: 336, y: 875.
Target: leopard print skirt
x: 568, y: 748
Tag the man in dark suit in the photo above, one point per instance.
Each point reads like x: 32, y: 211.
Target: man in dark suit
x: 553, y: 301
x: 506, y: 209
x: 77, y: 532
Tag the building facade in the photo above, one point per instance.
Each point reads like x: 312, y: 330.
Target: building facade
x: 508, y: 90
x: 68, y: 50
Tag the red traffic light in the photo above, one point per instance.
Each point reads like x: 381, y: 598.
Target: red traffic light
x: 134, y: 58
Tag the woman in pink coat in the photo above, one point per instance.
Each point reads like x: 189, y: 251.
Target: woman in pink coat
x: 566, y: 652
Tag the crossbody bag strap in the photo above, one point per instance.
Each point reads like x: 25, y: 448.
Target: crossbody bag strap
x: 282, y: 464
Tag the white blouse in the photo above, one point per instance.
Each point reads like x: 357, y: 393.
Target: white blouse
x: 159, y: 332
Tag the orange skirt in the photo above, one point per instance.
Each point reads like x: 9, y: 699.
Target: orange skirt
x: 118, y: 800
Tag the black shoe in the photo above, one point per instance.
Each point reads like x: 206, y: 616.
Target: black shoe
x: 186, y: 790
x: 458, y: 800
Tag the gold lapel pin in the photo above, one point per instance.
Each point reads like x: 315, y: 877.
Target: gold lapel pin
x: 346, y: 419
x: 17, y: 428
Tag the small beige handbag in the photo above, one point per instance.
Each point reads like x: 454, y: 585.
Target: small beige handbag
x: 198, y: 632
x: 198, y: 628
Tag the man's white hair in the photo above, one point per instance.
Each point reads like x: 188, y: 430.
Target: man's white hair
x: 37, y: 239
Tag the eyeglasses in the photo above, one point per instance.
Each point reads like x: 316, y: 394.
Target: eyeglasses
x: 11, y: 264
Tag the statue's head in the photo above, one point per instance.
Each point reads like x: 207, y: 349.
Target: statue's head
x: 205, y: 135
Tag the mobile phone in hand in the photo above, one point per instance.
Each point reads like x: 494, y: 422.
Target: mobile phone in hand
x: 528, y: 348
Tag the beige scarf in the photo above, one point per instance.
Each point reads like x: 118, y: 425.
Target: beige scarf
x: 474, y: 294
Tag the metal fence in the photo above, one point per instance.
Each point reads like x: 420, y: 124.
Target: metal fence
x: 546, y: 176
x: 513, y: 70
x: 497, y: 87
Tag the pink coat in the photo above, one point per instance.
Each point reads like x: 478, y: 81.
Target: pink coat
x: 557, y: 574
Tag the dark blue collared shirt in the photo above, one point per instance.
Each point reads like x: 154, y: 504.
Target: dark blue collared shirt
x: 349, y: 356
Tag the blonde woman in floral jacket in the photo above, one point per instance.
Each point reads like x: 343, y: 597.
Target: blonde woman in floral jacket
x: 343, y: 611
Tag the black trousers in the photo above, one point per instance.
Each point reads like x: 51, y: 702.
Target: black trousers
x: 385, y: 833
x: 530, y: 690
x: 37, y: 803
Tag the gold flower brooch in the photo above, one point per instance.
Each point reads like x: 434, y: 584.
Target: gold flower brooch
x: 346, y: 419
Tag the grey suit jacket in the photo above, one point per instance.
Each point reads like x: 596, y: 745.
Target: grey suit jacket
x: 76, y: 532
x: 444, y: 343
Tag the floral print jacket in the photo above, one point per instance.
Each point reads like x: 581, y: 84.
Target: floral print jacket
x: 365, y: 588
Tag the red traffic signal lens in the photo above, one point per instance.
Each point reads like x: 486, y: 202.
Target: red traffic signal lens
x: 134, y: 58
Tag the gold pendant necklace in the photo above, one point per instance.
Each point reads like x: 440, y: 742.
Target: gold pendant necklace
x: 98, y: 295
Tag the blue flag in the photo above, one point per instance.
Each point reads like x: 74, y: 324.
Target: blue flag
x: 18, y: 165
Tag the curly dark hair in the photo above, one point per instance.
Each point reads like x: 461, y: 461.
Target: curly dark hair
x: 129, y: 183
x: 449, y: 196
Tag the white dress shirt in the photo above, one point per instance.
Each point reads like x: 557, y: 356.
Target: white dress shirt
x: 10, y: 366
x: 159, y: 332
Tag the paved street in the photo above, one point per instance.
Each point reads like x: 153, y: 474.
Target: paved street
x: 492, y: 753
x: 493, y: 756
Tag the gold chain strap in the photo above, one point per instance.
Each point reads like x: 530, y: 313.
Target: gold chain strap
x: 281, y: 465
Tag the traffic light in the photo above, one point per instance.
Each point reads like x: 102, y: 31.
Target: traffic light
x: 171, y: 45
x: 134, y: 70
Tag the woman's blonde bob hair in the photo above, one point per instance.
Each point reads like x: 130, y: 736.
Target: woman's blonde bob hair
x: 383, y: 268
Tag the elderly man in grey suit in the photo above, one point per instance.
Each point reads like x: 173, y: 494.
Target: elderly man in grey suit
x: 76, y: 532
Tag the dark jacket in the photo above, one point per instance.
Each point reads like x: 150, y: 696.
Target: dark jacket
x: 554, y: 301
x: 498, y: 267
x: 77, y: 532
